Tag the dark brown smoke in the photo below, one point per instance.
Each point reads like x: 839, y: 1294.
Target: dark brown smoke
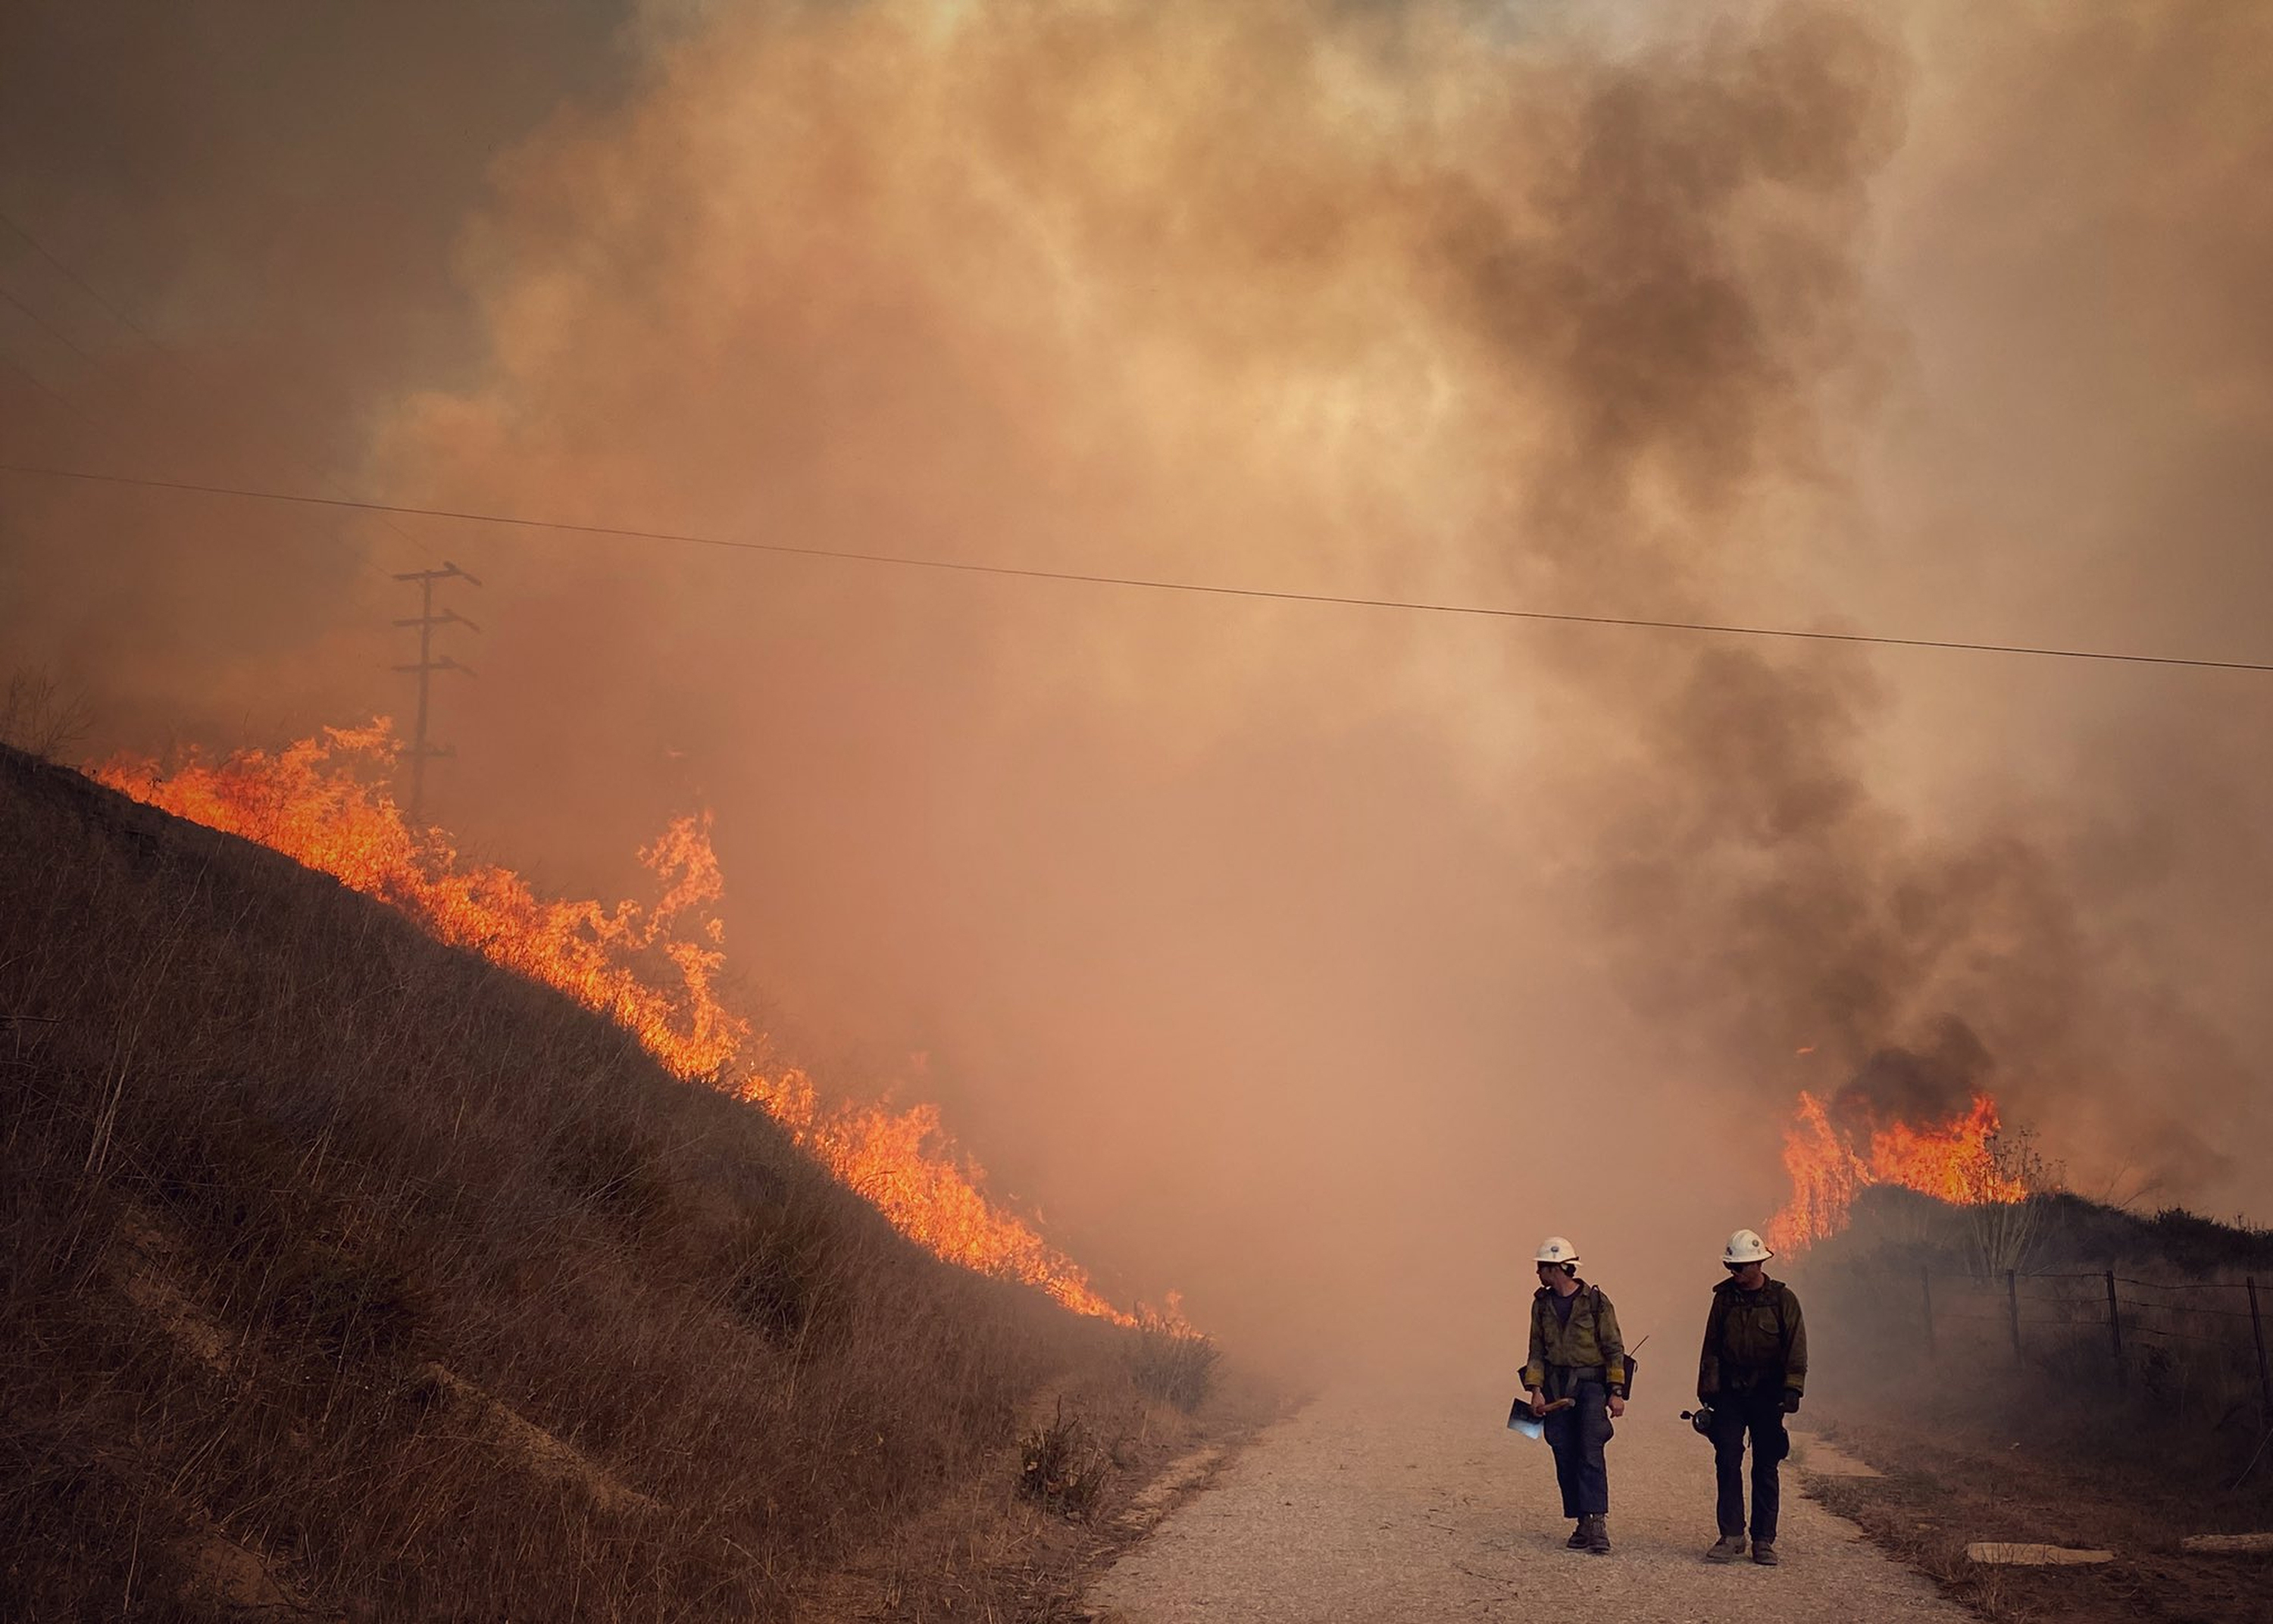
x: 1931, y: 1084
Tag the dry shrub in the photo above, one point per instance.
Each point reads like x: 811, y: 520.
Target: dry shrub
x: 1060, y: 1468
x: 785, y: 1273
x: 607, y: 1163
x: 1173, y: 1363
x: 39, y: 717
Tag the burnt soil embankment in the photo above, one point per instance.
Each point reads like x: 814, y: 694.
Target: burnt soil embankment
x: 347, y: 1276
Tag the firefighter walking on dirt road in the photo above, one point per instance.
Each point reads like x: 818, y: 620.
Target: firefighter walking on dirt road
x: 1575, y: 1378
x: 1750, y: 1377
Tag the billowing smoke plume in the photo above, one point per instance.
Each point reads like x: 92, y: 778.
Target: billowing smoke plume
x: 1931, y: 1084
x: 1315, y: 959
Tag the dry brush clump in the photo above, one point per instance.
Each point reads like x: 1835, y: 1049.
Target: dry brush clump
x: 335, y: 1251
x: 1173, y: 1363
x: 40, y: 716
x: 1061, y: 1467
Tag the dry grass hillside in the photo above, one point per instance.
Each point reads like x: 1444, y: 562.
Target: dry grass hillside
x: 344, y: 1276
x: 1967, y: 1352
x: 2014, y: 1301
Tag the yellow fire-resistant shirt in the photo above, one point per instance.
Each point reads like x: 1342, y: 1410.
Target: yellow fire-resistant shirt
x: 1590, y: 1337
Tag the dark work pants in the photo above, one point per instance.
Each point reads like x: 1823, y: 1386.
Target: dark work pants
x: 1758, y: 1414
x: 1577, y: 1436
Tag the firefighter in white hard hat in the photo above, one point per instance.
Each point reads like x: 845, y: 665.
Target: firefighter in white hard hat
x: 1577, y: 1354
x: 1750, y: 1376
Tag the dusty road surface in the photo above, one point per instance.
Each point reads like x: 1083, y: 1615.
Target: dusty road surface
x: 1376, y: 1511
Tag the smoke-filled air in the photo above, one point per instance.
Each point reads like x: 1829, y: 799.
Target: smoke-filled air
x: 1307, y: 959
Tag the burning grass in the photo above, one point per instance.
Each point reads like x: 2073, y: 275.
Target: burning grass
x: 423, y: 1289
x: 654, y: 969
x: 1961, y: 1157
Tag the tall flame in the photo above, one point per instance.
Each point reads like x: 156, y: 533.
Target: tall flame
x: 1953, y: 1160
x: 653, y: 969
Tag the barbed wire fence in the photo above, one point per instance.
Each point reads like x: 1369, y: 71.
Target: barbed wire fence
x: 2193, y: 1346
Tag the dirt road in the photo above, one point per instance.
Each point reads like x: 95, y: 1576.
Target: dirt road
x: 1378, y: 1512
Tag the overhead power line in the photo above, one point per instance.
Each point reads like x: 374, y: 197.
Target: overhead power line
x: 182, y: 364
x: 1143, y: 583
x: 44, y: 325
x: 57, y: 396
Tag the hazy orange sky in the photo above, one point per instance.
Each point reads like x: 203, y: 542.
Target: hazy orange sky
x: 1316, y: 959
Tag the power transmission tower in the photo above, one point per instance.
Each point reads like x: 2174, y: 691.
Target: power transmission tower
x: 420, y: 751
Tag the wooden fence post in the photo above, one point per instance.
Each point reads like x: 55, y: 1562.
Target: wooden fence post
x: 2115, y: 1336
x: 2257, y: 1330
x: 2013, y: 1307
x: 1925, y: 1287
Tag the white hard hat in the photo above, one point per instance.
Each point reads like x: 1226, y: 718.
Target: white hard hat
x: 1745, y: 1246
x: 1555, y: 1249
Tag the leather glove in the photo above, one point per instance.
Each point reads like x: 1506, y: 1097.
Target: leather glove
x: 1791, y: 1401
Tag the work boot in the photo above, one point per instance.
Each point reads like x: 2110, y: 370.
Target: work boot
x: 1578, y: 1540
x: 1764, y: 1553
x: 1731, y: 1547
x: 1598, y: 1536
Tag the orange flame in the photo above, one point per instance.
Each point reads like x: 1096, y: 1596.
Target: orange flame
x: 654, y: 971
x: 1954, y: 1160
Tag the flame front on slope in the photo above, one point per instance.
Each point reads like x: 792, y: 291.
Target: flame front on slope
x: 652, y: 969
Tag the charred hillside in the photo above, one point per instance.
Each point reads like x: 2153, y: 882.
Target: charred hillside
x: 2047, y: 1230
x: 346, y: 1271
